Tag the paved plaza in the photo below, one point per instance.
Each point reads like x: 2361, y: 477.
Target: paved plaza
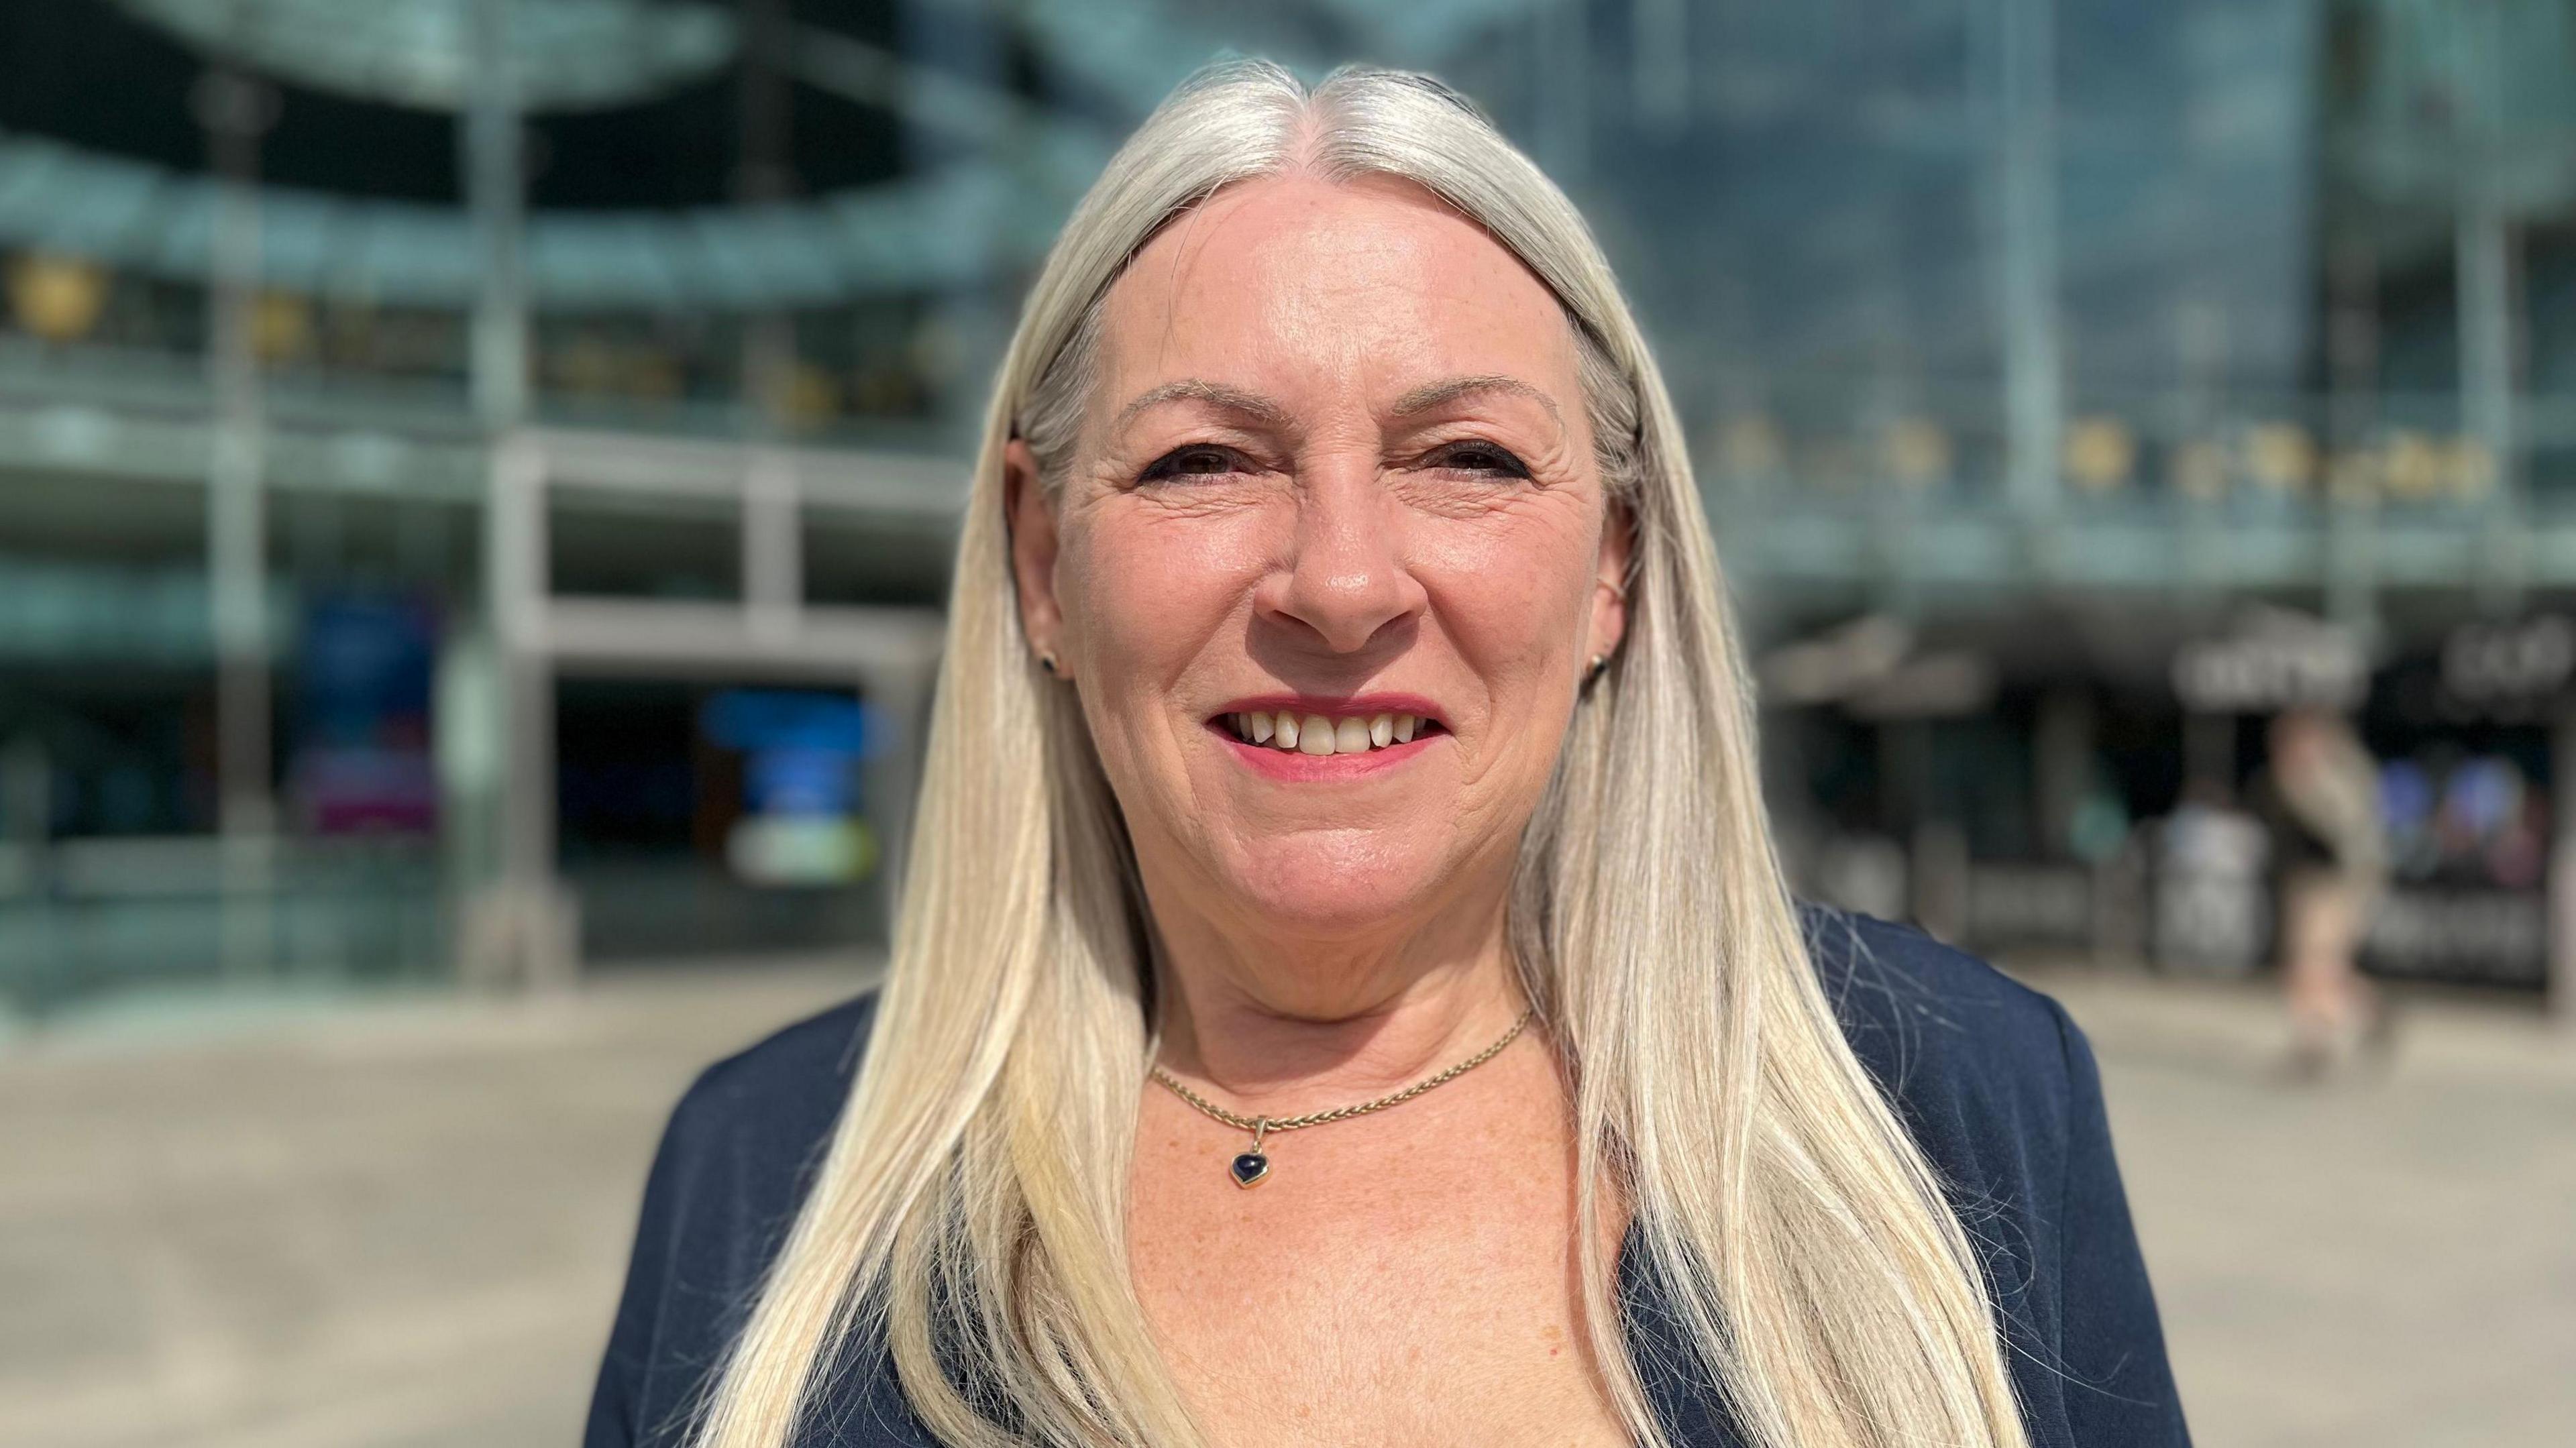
x: 401, y: 1224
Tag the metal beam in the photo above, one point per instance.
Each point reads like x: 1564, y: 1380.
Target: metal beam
x: 718, y: 640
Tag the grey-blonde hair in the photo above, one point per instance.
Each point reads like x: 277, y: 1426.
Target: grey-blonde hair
x: 970, y: 1212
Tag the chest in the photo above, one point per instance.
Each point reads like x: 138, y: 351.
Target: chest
x: 1416, y: 1283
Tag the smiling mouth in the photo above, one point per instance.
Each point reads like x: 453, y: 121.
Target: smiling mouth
x: 1294, y: 732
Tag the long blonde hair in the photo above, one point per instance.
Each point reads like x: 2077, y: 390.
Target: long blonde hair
x: 970, y: 1213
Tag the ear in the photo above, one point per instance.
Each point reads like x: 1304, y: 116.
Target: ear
x: 1610, y: 581
x: 1030, y: 515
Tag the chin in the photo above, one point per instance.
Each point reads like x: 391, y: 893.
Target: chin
x: 1335, y: 884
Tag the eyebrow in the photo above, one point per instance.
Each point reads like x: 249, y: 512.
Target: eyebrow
x: 1441, y: 394
x: 1253, y: 404
x: 1215, y: 394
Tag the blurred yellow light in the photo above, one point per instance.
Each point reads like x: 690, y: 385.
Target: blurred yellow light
x: 2412, y: 465
x: 806, y: 395
x: 2469, y: 468
x: 2198, y: 470
x: 883, y: 390
x: 1749, y: 445
x: 1918, y: 451
x: 938, y: 349
x: 2100, y: 452
x: 585, y: 366
x: 2353, y: 476
x: 651, y: 372
x: 57, y: 298
x: 281, y: 327
x: 2281, y: 455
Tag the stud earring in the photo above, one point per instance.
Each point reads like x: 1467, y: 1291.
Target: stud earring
x: 1593, y: 670
x: 1046, y: 661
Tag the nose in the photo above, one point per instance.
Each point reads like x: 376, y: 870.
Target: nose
x: 1345, y: 577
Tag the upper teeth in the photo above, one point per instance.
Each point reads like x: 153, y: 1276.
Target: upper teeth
x: 1316, y: 734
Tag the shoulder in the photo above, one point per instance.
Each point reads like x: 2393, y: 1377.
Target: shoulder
x: 1999, y: 1088
x: 780, y: 1095
x: 1977, y: 1063
x: 1981, y: 1071
x: 735, y: 1161
x: 745, y: 1140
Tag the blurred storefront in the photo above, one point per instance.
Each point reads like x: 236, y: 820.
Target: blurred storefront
x: 474, y: 493
x: 2066, y: 801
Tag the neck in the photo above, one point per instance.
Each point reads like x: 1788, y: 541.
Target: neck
x: 1276, y: 1025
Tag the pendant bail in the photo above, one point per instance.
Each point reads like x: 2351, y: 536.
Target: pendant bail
x: 1260, y: 1128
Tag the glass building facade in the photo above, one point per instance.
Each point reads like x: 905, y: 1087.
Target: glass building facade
x: 415, y: 448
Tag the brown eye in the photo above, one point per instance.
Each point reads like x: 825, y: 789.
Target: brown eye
x: 1480, y: 457
x: 1199, y: 460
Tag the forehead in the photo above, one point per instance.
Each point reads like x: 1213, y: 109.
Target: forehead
x: 1291, y: 283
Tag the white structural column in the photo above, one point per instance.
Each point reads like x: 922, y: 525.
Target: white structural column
x: 773, y: 546
x: 495, y: 169
x: 773, y: 563
x: 528, y: 930
x: 519, y: 925
x: 2034, y: 383
x: 2489, y: 301
x: 1659, y: 41
x: 2352, y: 488
x: 233, y: 107
x: 2488, y: 341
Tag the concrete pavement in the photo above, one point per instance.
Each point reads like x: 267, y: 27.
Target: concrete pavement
x: 2375, y: 1263
x: 402, y: 1224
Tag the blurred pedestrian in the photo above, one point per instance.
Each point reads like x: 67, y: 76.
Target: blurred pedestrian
x: 2320, y: 796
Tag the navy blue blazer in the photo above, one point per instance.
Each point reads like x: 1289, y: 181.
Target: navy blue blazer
x: 1994, y: 1081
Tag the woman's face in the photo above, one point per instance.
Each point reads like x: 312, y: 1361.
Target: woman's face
x: 1337, y: 471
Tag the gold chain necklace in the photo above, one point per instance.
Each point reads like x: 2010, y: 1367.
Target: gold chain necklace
x: 1252, y: 1167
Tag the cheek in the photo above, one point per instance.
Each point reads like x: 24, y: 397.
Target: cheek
x: 1142, y: 594
x: 1514, y: 597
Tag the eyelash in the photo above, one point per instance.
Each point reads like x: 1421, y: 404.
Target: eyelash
x: 1497, y: 460
x: 1168, y: 466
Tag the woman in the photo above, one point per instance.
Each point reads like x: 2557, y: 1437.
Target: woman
x: 2320, y: 796
x: 1344, y: 990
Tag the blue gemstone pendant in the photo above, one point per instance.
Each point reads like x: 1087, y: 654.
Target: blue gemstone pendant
x: 1250, y: 1169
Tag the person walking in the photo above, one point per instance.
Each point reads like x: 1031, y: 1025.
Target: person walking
x: 2320, y: 795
